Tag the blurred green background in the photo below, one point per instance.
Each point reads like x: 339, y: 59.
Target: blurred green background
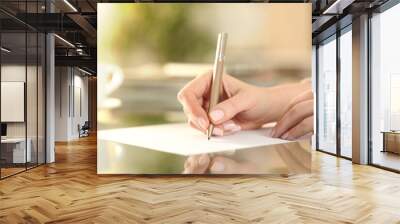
x: 166, y: 32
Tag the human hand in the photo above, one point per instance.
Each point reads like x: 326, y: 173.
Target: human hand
x: 197, y: 164
x: 241, y: 107
x: 201, y: 164
x: 298, y: 120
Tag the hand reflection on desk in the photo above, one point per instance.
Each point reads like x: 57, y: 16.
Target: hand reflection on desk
x: 204, y: 163
x: 280, y: 158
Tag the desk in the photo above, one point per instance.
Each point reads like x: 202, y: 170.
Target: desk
x: 391, y: 141
x: 17, y: 151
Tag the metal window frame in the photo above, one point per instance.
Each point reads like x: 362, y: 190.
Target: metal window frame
x: 333, y: 37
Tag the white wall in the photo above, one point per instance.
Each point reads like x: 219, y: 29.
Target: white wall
x: 16, y: 73
x: 62, y: 81
x: 81, y: 100
x: 33, y: 126
x: 70, y: 83
x: 12, y: 101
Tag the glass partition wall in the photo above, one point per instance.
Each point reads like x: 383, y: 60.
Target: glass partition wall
x: 13, y: 88
x: 334, y: 104
x: 22, y: 88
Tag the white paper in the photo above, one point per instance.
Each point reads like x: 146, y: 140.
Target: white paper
x: 183, y: 140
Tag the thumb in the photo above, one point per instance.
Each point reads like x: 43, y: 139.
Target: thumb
x: 228, y: 108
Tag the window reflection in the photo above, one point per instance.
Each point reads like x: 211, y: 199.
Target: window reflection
x: 346, y: 94
x: 385, y: 89
x: 327, y: 96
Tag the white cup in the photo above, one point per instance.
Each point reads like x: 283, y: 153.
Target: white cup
x: 109, y: 78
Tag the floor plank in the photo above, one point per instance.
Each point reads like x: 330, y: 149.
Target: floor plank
x: 69, y: 191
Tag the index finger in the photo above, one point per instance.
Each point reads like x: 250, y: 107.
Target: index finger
x: 200, y: 85
x: 191, y: 98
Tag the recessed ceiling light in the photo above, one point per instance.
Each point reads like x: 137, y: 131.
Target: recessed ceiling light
x: 84, y: 71
x: 64, y: 40
x: 5, y: 50
x: 337, y: 7
x: 70, y: 5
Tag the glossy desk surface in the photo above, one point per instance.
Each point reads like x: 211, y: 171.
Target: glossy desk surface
x: 116, y: 158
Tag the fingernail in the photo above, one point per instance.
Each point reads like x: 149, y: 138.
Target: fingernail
x: 217, y: 115
x: 236, y: 128
x: 284, y: 136
x: 218, y: 167
x: 218, y: 132
x: 203, y: 160
x: 202, y: 123
x: 230, y: 125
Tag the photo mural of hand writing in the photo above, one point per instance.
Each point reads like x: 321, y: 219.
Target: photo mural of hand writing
x: 160, y: 60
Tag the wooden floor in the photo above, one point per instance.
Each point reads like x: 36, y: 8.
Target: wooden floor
x: 69, y: 191
x: 387, y: 159
x: 5, y: 172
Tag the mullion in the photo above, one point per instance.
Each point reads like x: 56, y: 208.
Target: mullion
x: 338, y: 95
x: 45, y: 87
x: 26, y: 87
x: 317, y: 96
x: 369, y: 76
x: 37, y: 90
x: 0, y: 95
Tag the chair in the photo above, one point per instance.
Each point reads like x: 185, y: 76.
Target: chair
x: 84, y: 130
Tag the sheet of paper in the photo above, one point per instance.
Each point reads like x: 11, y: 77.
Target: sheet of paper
x: 183, y: 140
